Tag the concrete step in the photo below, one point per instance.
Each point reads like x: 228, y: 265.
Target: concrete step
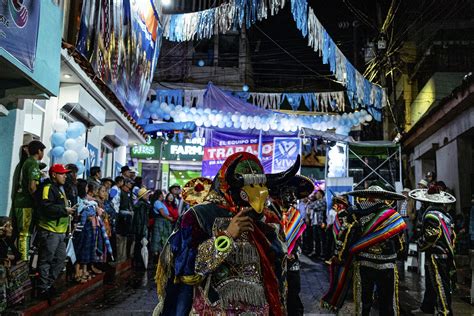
x: 67, y: 292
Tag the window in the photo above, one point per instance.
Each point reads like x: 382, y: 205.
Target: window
x: 229, y: 50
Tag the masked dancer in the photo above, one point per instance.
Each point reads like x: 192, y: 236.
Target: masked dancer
x: 225, y: 257
x: 436, y: 239
x: 369, y: 237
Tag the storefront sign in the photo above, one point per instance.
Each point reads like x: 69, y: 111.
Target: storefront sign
x: 143, y: 151
x: 188, y: 150
x: 219, y: 146
x: 285, y: 152
x: 19, y: 23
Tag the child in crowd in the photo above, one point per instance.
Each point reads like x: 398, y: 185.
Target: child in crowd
x: 14, y: 278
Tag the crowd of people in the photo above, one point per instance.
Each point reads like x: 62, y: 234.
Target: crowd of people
x: 61, y: 223
x: 228, y: 248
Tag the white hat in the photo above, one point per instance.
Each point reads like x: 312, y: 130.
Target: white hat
x: 439, y: 198
x: 423, y: 182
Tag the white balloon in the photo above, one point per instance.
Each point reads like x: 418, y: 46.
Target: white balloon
x: 221, y: 124
x: 207, y: 123
x: 83, y: 153
x: 266, y: 127
x: 193, y: 110
x: 368, y: 117
x: 60, y: 125
x: 70, y: 156
x: 70, y: 144
x: 199, y: 122
x: 163, y: 105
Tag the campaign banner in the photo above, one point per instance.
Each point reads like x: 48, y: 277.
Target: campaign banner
x: 220, y: 145
x: 121, y: 40
x: 337, y: 186
x: 19, y: 24
x: 285, y: 152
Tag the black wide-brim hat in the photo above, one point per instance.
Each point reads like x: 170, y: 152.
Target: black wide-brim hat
x: 377, y: 192
x: 302, y: 185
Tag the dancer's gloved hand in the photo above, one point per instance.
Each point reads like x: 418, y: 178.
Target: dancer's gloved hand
x: 240, y: 223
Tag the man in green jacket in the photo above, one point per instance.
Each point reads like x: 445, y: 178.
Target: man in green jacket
x: 24, y: 201
x: 52, y: 223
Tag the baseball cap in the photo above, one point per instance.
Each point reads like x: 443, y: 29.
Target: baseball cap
x: 58, y: 168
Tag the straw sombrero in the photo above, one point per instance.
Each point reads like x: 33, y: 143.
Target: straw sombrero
x: 377, y: 192
x: 440, y: 197
x: 195, y: 190
x: 142, y: 192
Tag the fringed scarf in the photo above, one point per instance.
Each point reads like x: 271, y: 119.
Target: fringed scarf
x: 385, y: 225
x: 270, y: 281
x: 294, y: 226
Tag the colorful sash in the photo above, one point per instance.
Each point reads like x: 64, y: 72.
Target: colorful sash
x: 294, y: 226
x: 385, y: 225
x: 447, y: 231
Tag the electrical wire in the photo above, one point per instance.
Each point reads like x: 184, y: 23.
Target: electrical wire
x: 294, y: 58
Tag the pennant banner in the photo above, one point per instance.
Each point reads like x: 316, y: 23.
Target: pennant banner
x: 232, y: 15
x: 313, y: 101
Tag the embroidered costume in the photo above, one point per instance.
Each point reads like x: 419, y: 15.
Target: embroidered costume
x: 437, y: 239
x: 368, y: 239
x: 204, y: 271
x: 284, y: 198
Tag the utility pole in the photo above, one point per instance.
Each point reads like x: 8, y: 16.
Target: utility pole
x: 383, y: 79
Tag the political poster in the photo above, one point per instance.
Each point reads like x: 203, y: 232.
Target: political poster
x: 19, y: 24
x: 220, y: 145
x: 121, y: 40
x: 285, y: 152
x: 93, y: 159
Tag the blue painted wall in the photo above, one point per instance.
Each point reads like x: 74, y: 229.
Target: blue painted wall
x: 46, y: 72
